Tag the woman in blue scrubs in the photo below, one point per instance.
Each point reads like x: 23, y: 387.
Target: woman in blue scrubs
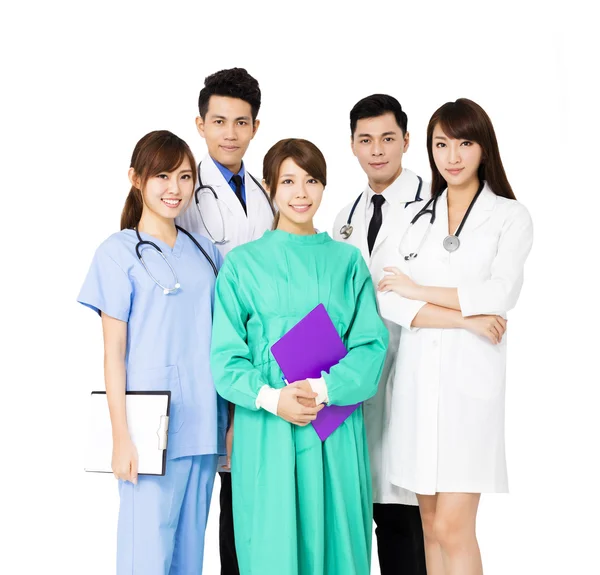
x: 156, y: 318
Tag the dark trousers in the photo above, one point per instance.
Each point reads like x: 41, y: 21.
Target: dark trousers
x: 229, y: 563
x: 399, y: 535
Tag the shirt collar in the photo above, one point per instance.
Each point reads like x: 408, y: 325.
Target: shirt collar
x: 401, y: 190
x: 371, y: 193
x: 227, y: 173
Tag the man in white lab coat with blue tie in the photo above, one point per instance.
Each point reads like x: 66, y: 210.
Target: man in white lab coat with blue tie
x: 230, y: 208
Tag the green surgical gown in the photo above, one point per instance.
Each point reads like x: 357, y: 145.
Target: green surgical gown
x: 300, y: 506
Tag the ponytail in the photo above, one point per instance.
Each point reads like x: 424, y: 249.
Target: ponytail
x: 132, y: 211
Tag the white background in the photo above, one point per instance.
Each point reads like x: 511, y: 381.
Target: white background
x: 82, y: 82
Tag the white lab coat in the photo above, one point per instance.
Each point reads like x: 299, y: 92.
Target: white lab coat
x: 377, y: 410
x: 447, y: 428
x: 239, y: 228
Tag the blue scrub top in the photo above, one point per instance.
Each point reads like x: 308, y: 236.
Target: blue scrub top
x: 168, y: 336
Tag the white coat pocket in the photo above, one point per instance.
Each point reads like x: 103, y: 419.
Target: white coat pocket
x: 160, y: 379
x: 481, y: 368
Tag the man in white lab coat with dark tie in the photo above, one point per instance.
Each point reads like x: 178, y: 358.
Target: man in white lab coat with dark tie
x: 379, y: 138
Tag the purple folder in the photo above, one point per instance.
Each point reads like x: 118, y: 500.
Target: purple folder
x: 310, y: 347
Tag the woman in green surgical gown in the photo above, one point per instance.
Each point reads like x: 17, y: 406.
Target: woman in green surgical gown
x: 300, y: 506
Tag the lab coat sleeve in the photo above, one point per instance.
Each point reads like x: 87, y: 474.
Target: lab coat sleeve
x: 190, y: 219
x: 340, y: 220
x: 397, y: 309
x: 236, y: 378
x: 107, y: 287
x: 356, y: 376
x: 335, y: 232
x: 499, y: 293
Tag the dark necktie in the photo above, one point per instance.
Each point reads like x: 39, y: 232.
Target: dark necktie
x: 237, y: 180
x: 376, y: 220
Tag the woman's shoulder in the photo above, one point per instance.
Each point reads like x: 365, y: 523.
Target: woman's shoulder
x: 118, y: 245
x: 202, y: 240
x: 243, y: 251
x: 348, y: 258
x: 512, y: 209
x: 344, y: 250
x: 244, y: 256
x: 210, y: 248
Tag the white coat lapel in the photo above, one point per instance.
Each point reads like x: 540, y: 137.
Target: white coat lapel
x: 260, y: 216
x: 403, y: 190
x: 251, y: 203
x: 482, y: 209
x: 359, y: 235
x: 211, y: 175
x: 433, y: 246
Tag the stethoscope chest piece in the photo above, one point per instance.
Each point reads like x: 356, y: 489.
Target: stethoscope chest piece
x: 451, y: 243
x: 168, y: 291
x: 346, y: 231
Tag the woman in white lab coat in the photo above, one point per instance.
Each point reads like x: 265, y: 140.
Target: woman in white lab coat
x: 450, y: 284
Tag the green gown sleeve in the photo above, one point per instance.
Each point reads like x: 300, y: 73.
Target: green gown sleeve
x: 236, y: 379
x: 356, y: 376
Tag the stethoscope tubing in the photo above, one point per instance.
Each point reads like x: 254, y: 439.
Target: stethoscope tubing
x: 200, y: 189
x: 347, y: 229
x: 138, y: 251
x: 450, y: 246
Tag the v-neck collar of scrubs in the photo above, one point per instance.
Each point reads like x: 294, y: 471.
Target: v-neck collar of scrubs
x: 174, y: 251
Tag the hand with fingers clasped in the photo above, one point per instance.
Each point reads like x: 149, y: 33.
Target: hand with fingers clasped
x: 492, y: 327
x: 290, y: 408
x: 305, y: 385
x: 398, y: 282
x: 125, y: 460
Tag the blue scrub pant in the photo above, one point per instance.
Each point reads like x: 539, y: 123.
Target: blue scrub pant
x: 162, y: 519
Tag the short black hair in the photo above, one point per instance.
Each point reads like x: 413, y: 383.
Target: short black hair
x: 234, y: 83
x: 377, y: 105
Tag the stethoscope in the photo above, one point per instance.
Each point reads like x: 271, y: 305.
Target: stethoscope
x: 168, y: 290
x: 451, y: 242
x: 347, y: 229
x: 205, y: 189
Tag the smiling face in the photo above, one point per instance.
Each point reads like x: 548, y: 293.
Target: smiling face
x: 379, y: 145
x: 227, y: 128
x: 298, y: 195
x: 456, y: 159
x: 167, y: 194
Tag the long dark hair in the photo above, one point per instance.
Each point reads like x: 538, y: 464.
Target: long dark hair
x: 304, y: 153
x: 157, y: 152
x: 466, y: 120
